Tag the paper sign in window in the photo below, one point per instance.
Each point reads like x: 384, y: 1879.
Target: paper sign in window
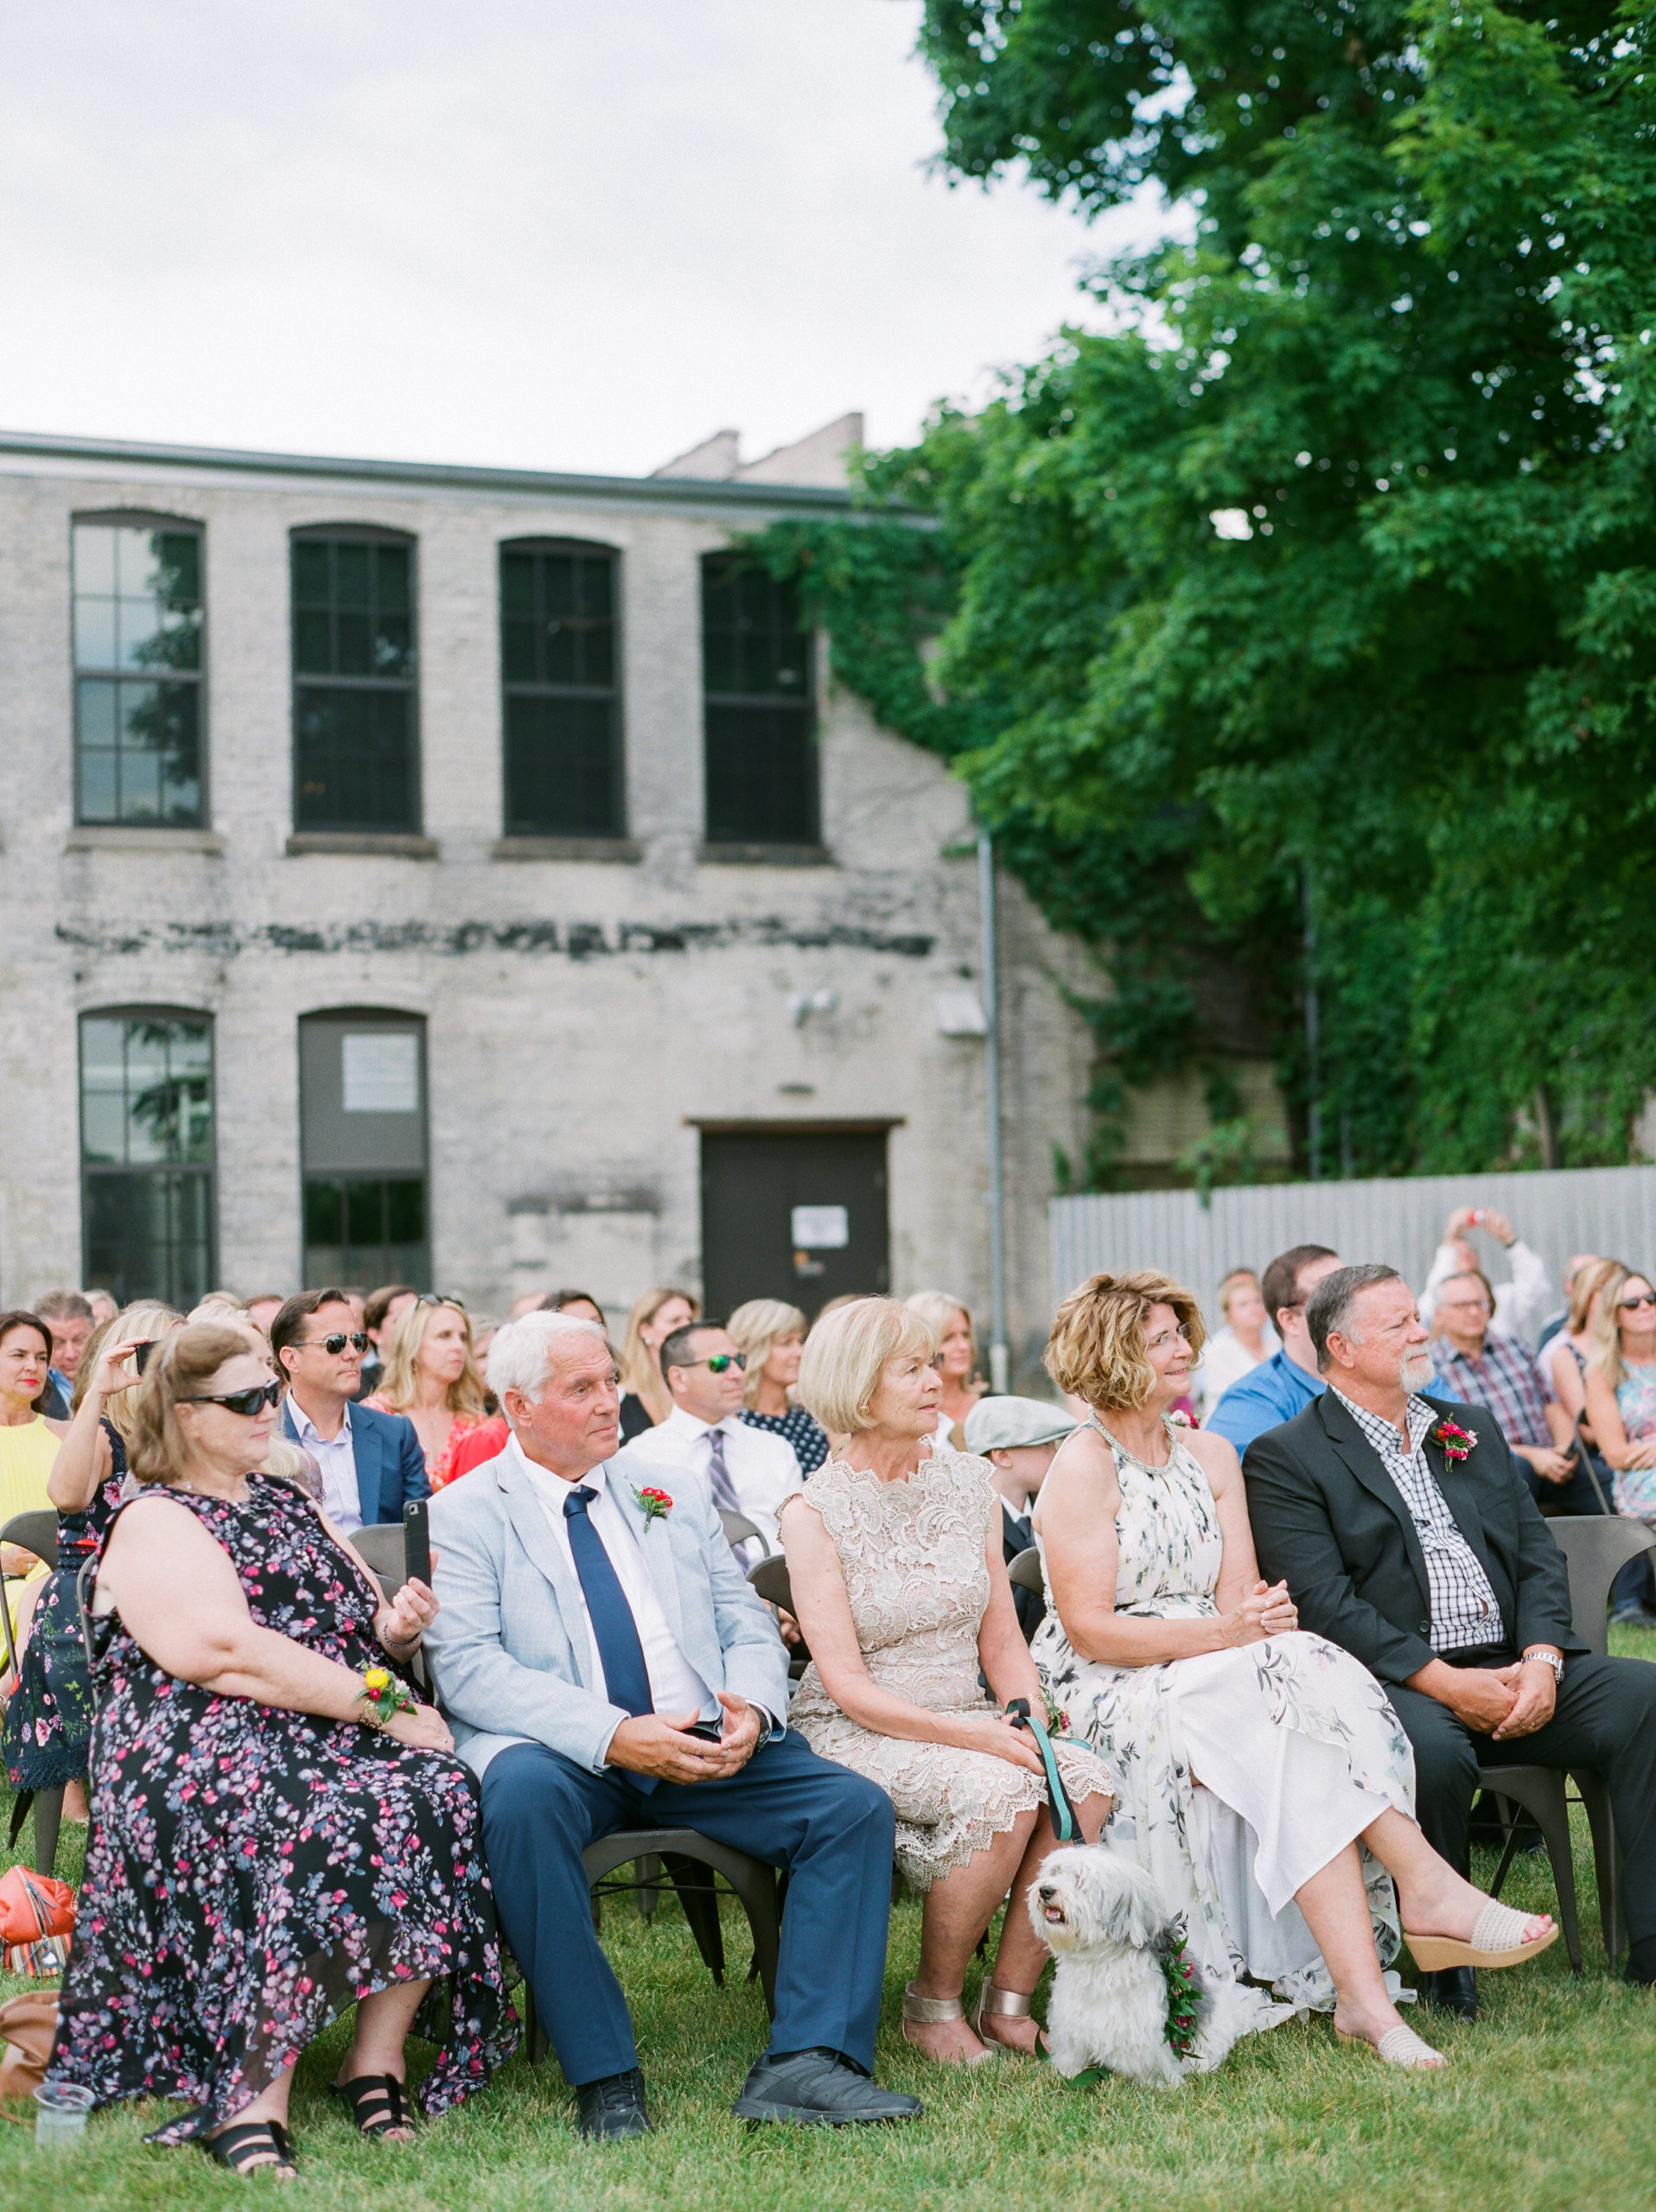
x: 380, y: 1070
x: 821, y: 1228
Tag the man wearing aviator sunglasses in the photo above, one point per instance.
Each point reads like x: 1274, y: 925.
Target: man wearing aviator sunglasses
x: 749, y: 1471
x: 372, y: 1463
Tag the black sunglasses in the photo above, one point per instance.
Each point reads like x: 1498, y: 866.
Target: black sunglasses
x: 334, y: 1345
x: 245, y: 1402
x: 439, y: 1298
x: 1645, y: 1298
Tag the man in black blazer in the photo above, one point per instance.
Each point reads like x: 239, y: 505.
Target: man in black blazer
x: 1405, y: 1533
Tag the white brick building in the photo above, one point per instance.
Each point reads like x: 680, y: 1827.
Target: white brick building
x: 379, y: 901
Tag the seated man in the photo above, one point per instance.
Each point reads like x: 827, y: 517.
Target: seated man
x: 1404, y: 1533
x: 1279, y: 1387
x: 749, y: 1471
x: 1503, y: 1374
x: 604, y: 1665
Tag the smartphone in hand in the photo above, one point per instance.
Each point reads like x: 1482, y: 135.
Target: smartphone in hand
x: 417, y: 1541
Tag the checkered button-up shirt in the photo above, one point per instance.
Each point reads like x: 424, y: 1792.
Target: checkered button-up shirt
x: 1465, y: 1610
x: 1507, y: 1376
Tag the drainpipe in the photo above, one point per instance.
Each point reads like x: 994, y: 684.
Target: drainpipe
x: 999, y: 1360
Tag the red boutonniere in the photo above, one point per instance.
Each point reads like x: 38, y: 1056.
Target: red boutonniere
x: 653, y: 1504
x: 1453, y: 1441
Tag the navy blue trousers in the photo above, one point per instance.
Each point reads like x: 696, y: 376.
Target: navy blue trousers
x: 830, y: 1828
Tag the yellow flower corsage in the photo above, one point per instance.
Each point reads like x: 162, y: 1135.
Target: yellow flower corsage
x: 382, y: 1696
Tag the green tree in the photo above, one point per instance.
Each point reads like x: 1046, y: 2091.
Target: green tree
x: 1404, y: 681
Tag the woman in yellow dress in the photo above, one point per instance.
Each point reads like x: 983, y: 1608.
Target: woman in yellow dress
x: 28, y: 1445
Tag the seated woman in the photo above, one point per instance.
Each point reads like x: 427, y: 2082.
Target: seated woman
x: 431, y: 1376
x: 278, y: 1831
x: 771, y: 1335
x: 28, y: 1445
x: 893, y: 1553
x: 48, y: 1722
x: 1254, y: 1759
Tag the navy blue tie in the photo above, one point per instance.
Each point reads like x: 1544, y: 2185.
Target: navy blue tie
x: 613, y: 1629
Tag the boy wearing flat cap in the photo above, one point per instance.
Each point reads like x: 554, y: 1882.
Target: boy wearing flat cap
x: 1018, y: 1437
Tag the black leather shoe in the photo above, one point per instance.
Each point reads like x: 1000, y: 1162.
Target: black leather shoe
x: 1453, y: 1990
x: 612, y: 2108
x: 817, y: 2089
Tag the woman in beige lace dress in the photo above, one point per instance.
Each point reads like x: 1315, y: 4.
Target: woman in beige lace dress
x: 893, y: 1553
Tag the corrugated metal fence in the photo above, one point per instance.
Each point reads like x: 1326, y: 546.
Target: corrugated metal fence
x: 1607, y: 1209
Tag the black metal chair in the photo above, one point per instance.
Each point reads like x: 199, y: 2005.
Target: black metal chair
x: 694, y: 1864
x: 1595, y: 1552
x: 35, y: 1532
x: 1025, y: 1573
x: 738, y: 1529
x: 770, y: 1578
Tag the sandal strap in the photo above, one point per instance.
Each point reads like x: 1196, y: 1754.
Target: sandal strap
x: 1401, y: 2046
x: 377, y: 2103
x: 930, y: 2008
x: 1499, y: 1928
x: 239, y: 2147
x: 1006, y: 2004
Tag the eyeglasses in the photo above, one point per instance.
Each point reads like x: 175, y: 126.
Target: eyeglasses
x: 334, y: 1345
x: 718, y: 1363
x: 245, y: 1402
x: 1644, y: 1297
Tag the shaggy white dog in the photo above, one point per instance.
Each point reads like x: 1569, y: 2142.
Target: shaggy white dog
x: 1104, y: 1921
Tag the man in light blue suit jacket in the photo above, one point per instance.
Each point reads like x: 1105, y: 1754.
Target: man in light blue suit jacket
x: 604, y: 1665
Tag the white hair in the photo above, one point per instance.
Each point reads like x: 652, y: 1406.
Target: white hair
x: 520, y: 1356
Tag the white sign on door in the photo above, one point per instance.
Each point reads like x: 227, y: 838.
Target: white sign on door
x: 381, y: 1071
x: 821, y: 1228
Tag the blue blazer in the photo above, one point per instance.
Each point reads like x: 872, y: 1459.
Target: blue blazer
x: 390, y: 1464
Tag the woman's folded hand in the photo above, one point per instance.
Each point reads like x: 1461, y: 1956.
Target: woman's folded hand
x: 994, y: 1734
x: 1265, y: 1611
x: 421, y: 1726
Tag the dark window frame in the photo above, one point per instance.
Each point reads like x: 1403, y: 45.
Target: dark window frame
x: 612, y: 696
x: 400, y: 1019
x: 406, y: 687
x: 799, y: 707
x: 206, y: 1172
x: 154, y: 519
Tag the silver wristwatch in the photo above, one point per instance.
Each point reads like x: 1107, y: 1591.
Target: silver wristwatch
x: 1547, y: 1659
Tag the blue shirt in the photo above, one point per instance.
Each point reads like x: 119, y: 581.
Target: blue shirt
x: 1266, y: 1396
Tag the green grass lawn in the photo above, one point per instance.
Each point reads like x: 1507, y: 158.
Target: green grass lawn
x: 1549, y: 2106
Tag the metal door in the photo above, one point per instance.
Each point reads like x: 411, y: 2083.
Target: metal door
x: 793, y: 1214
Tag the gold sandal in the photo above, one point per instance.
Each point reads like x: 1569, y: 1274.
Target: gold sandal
x: 931, y: 2012
x: 1498, y: 1940
x: 1005, y: 2005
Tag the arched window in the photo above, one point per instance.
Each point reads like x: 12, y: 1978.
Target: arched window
x: 760, y: 707
x: 362, y: 1146
x: 355, y: 718
x: 146, y: 1152
x: 560, y: 675
x: 139, y: 652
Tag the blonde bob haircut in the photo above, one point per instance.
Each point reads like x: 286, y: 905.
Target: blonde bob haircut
x: 937, y: 1308
x: 399, y: 1386
x: 849, y: 1350
x: 183, y: 1368
x: 755, y: 1327
x: 1096, y: 1350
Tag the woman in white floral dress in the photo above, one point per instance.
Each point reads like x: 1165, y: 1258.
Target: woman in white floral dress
x: 899, y: 1583
x: 1262, y: 1775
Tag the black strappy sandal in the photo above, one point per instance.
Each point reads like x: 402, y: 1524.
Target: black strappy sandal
x: 378, y: 2102
x: 241, y: 2149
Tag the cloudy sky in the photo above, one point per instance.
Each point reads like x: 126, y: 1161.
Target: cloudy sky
x: 549, y: 234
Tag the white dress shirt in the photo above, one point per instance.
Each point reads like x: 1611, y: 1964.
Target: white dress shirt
x: 1520, y: 1305
x: 762, y: 1467
x: 675, y: 1686
x: 341, y: 1501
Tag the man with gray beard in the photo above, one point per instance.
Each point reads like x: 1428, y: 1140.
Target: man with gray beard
x: 1406, y: 1534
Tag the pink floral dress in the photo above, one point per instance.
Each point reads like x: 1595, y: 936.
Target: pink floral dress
x: 250, y: 1872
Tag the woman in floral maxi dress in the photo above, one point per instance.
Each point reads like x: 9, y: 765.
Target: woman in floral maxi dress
x: 262, y: 1855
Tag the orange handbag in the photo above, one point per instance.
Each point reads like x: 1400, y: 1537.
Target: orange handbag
x: 37, y: 1920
